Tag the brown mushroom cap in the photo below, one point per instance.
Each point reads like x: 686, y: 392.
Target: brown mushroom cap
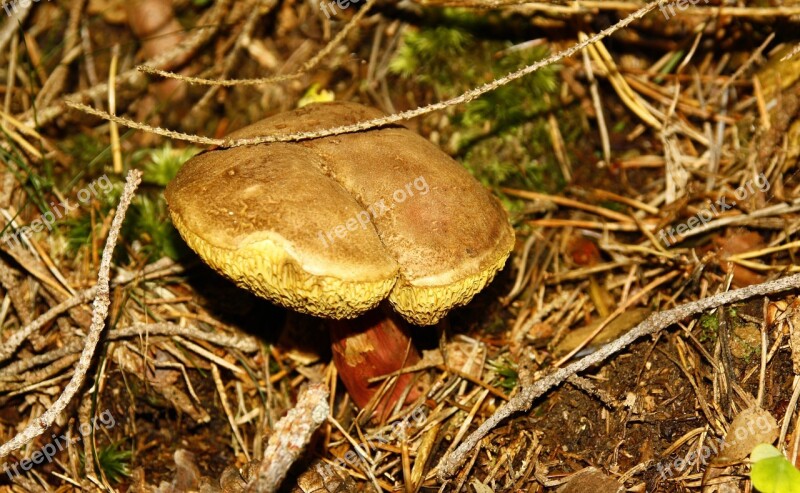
x: 288, y: 221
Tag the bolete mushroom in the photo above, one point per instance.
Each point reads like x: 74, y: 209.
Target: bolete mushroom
x: 332, y: 226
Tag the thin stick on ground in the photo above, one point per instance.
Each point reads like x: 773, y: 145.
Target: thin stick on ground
x: 99, y: 313
x: 13, y: 342
x: 523, y: 400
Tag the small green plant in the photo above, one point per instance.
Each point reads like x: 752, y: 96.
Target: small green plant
x: 160, y: 165
x: 113, y: 461
x: 771, y: 472
x: 507, y: 375
x: 148, y: 227
x: 148, y: 224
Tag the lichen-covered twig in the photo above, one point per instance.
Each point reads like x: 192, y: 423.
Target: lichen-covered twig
x: 290, y: 437
x: 37, y: 426
x: 523, y: 400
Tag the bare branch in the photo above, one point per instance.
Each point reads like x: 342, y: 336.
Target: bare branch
x: 290, y: 437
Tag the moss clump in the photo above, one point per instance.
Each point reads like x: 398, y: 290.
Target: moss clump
x: 503, y: 137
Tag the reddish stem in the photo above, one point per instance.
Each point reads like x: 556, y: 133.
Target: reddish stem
x: 373, y: 345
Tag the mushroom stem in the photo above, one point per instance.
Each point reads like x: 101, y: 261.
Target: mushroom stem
x: 373, y: 345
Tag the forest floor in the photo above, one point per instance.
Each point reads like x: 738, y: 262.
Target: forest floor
x: 654, y: 168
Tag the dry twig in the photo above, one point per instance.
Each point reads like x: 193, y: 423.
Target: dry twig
x: 376, y: 122
x: 101, y: 303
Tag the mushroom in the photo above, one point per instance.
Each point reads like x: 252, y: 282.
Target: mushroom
x: 332, y: 226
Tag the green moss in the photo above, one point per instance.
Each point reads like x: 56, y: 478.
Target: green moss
x: 709, y: 324
x: 148, y: 224
x: 159, y: 166
x: 147, y: 227
x: 503, y: 137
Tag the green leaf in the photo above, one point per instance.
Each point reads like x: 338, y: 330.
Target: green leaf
x: 771, y: 472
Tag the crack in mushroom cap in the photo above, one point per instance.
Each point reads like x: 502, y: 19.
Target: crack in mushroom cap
x: 266, y: 216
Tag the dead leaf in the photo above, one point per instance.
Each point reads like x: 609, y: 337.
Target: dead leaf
x: 748, y: 429
x: 739, y: 242
x: 593, y: 480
